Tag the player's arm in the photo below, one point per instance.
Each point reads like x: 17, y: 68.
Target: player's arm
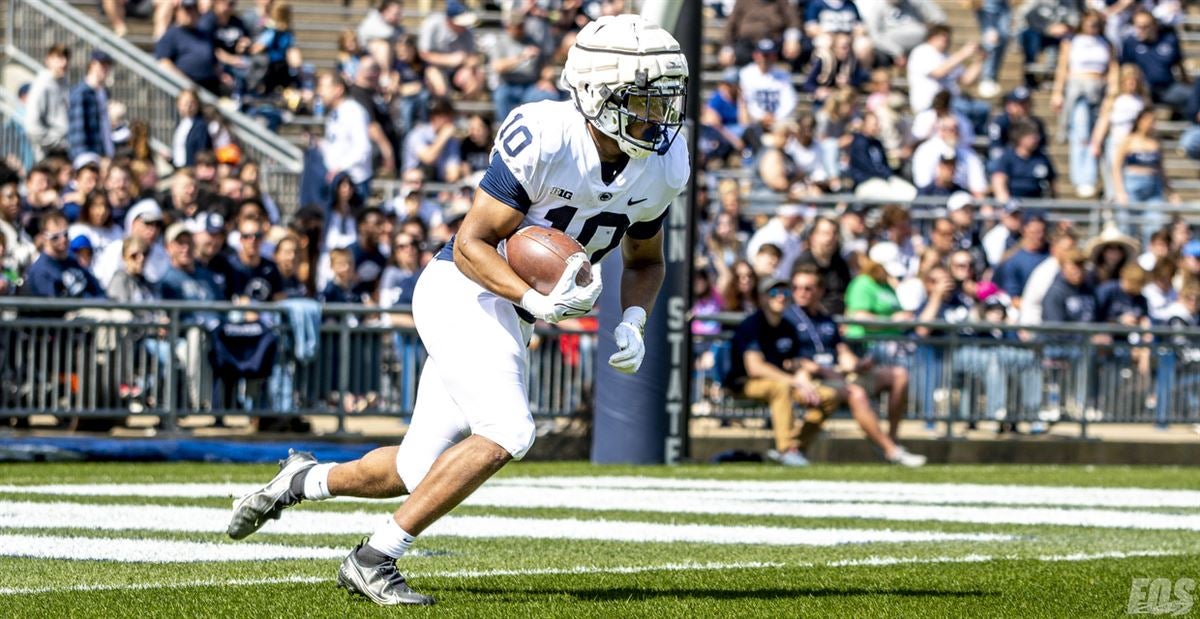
x: 645, y: 269
x: 487, y: 223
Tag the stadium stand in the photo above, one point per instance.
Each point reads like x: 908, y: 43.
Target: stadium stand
x: 419, y: 135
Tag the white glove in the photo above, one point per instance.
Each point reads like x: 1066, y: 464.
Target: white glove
x: 567, y: 299
x: 631, y: 349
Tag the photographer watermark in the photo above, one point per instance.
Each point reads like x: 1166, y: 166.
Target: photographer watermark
x: 1160, y: 596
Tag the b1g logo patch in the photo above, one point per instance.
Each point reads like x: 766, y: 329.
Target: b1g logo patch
x: 562, y: 193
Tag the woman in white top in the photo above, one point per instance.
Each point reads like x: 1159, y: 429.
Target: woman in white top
x: 1086, y: 67
x: 96, y: 222
x: 1120, y: 109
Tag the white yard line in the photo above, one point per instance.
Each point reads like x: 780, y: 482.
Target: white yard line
x: 158, y: 551
x: 244, y: 582
x: 768, y: 491
x: 16, y: 515
x: 882, y: 492
x: 584, y: 570
x: 761, y: 499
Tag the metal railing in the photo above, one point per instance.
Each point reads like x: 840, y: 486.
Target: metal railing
x: 63, y: 358
x: 147, y: 89
x: 977, y: 372
x: 70, y: 359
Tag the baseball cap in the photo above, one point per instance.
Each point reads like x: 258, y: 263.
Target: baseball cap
x: 958, y: 201
x: 176, y: 230
x: 101, y: 56
x: 1020, y: 94
x: 1012, y: 207
x: 79, y: 244
x: 730, y: 76
x: 1033, y: 215
x: 24, y: 89
x: 83, y: 160
x: 211, y: 223
x: 887, y: 254
x: 766, y: 46
x: 767, y: 283
x: 949, y: 154
x: 1191, y: 249
x: 146, y: 210
x: 459, y: 15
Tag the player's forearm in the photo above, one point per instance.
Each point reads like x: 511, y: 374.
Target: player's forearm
x: 480, y: 261
x: 640, y: 283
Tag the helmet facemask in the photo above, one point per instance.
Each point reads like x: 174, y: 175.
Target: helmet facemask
x: 644, y: 117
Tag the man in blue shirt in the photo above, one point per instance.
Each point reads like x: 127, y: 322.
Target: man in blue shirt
x: 55, y: 274
x: 1120, y: 301
x: 1013, y: 273
x: 1071, y: 298
x: 369, y: 260
x: 251, y: 276
x: 873, y: 177
x: 1017, y: 104
x: 186, y: 48
x: 1157, y: 53
x: 1023, y: 171
x: 88, y: 126
x: 185, y: 280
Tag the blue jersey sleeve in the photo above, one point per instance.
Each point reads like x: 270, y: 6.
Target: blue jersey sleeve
x: 500, y: 183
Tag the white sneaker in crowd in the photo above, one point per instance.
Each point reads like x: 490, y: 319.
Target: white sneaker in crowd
x: 904, y: 457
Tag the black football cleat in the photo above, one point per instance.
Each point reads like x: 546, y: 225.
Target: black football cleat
x: 382, y: 583
x: 253, y: 510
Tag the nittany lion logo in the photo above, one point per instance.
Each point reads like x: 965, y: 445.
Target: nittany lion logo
x: 74, y: 282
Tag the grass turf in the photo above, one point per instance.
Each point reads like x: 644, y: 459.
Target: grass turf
x: 800, y: 582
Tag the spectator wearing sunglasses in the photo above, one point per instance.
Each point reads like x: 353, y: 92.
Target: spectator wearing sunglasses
x: 55, y: 274
x: 251, y: 276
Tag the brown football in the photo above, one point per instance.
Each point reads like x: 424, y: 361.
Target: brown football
x: 539, y: 254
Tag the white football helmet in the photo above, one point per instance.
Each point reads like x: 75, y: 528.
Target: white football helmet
x: 628, y: 77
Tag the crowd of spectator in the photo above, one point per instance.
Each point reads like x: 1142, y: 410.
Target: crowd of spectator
x: 815, y: 97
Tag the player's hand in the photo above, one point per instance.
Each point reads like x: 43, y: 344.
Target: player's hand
x: 631, y: 348
x: 568, y: 299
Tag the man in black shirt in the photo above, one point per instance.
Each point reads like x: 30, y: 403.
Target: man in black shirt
x: 831, y: 365
x: 825, y: 253
x: 764, y: 368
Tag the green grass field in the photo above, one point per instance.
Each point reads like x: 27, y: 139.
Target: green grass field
x: 579, y: 540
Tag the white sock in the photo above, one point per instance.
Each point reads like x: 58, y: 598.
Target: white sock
x: 391, y: 540
x: 316, y: 483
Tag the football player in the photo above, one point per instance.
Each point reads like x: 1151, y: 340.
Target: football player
x: 602, y: 167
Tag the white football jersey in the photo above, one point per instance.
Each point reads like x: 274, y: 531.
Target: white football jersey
x: 767, y: 93
x: 550, y: 169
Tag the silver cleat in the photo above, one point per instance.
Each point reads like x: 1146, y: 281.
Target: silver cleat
x: 253, y: 510
x: 382, y: 584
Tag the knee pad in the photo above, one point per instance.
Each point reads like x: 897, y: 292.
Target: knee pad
x: 515, y: 436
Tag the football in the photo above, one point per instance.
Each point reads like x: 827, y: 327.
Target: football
x: 539, y: 254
